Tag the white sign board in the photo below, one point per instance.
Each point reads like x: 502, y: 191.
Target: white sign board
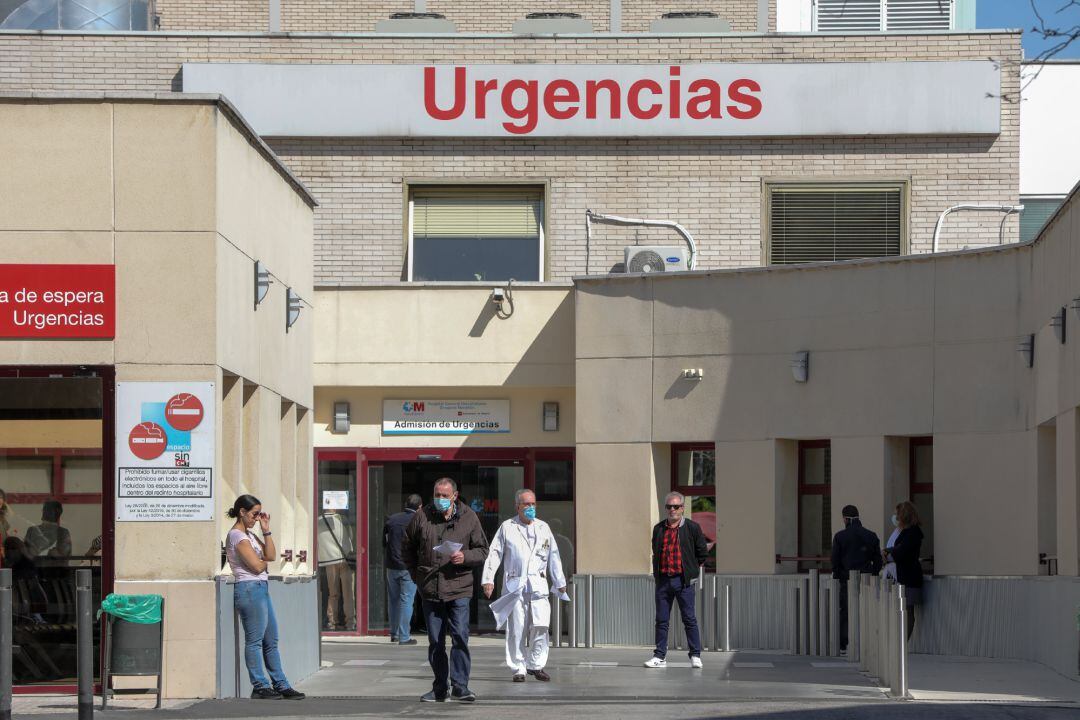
x: 335, y: 500
x: 445, y: 417
x: 706, y: 99
x: 165, y: 435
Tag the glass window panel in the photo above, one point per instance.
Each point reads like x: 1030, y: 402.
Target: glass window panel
x: 924, y: 465
x: 816, y: 466
x: 82, y: 474
x: 26, y: 474
x: 814, y: 526
x: 554, y: 480
x: 702, y: 508
x: 469, y: 259
x: 924, y: 503
x: 554, y: 495
x: 695, y: 468
x: 335, y: 531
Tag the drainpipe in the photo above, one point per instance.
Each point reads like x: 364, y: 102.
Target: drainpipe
x: 1007, y: 209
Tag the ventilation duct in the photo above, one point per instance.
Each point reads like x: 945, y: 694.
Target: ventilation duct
x: 553, y: 23
x: 412, y: 23
x: 690, y: 22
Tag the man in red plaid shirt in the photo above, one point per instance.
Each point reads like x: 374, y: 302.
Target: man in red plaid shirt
x: 679, y: 548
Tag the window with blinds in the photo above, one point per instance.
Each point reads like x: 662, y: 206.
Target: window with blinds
x: 476, y: 233
x: 824, y: 223
x: 878, y: 15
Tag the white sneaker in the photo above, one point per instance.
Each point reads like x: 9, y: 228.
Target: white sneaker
x: 695, y: 662
x: 655, y: 662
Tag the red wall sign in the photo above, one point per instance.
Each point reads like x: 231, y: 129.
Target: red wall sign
x: 57, y: 301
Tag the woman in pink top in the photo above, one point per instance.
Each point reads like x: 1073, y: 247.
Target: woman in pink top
x: 249, y: 555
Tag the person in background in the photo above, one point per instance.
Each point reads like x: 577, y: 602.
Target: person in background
x: 48, y: 538
x: 905, y: 553
x: 335, y: 549
x: 249, y: 556
x: 853, y: 548
x: 444, y: 580
x: 679, y: 549
x: 890, y: 566
x: 400, y: 588
x: 5, y: 516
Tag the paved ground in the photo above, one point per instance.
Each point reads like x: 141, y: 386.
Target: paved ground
x: 374, y: 679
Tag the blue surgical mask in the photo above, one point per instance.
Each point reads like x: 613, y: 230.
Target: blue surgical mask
x: 443, y: 504
x: 530, y: 512
x: 895, y: 522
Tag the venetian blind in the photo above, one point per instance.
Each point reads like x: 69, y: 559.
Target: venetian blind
x: 918, y: 14
x: 828, y: 223
x: 477, y: 212
x: 848, y: 15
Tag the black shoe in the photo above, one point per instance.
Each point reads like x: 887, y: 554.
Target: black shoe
x: 463, y: 695
x: 410, y: 641
x: 290, y: 694
x: 265, y: 694
x: 519, y: 678
x: 540, y: 675
x: 393, y: 638
x: 433, y: 696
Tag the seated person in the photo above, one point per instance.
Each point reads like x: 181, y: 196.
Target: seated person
x: 49, y: 539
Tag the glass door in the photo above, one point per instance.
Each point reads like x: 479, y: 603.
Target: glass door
x: 54, y: 465
x: 336, y: 530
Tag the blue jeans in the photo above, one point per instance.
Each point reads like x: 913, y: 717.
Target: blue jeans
x: 667, y: 590
x: 452, y: 615
x: 252, y: 600
x: 400, y: 590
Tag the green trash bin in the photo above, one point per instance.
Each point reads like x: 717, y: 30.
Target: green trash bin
x: 134, y: 636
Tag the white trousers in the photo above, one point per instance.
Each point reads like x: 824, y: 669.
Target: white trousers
x: 521, y: 630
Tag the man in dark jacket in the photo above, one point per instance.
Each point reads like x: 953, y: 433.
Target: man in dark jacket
x: 679, y: 549
x: 400, y: 587
x: 853, y: 548
x: 444, y: 578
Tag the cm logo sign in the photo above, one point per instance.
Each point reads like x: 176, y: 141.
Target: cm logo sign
x: 411, y: 407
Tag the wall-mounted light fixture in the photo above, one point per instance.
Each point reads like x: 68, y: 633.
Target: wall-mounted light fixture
x: 693, y: 373
x: 292, y: 308
x: 262, y: 282
x: 342, y: 419
x: 1057, y: 321
x: 1026, y: 347
x: 551, y: 417
x: 800, y: 366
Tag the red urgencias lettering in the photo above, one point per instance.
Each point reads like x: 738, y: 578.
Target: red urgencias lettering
x: 523, y: 101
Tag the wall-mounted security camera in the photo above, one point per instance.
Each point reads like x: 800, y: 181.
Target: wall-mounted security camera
x: 498, y: 296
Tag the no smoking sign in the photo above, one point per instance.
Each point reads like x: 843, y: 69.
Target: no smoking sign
x: 147, y: 440
x: 184, y: 411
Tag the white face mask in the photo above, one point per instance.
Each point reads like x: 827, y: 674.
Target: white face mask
x: 895, y: 522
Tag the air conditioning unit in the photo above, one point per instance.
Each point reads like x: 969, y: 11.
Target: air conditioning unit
x: 655, y: 258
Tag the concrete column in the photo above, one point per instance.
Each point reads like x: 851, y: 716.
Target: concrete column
x: 1068, y: 493
x: 615, y: 507
x: 755, y: 505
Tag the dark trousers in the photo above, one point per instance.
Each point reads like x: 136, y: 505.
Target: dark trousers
x: 842, y: 602
x: 451, y: 616
x: 670, y: 589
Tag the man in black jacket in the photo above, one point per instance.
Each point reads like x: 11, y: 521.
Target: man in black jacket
x: 679, y: 548
x: 400, y: 588
x: 853, y: 548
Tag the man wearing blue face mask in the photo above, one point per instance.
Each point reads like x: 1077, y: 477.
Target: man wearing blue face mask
x: 443, y: 543
x: 529, y: 555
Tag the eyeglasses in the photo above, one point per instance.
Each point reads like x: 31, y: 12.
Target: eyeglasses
x: 673, y: 507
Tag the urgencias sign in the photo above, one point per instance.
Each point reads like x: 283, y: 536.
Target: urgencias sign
x: 706, y: 100
x: 57, y: 301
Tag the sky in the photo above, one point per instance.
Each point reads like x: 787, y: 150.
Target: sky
x: 1018, y: 14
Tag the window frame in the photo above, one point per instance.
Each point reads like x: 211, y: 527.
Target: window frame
x: 802, y: 490
x: 915, y: 487
x: 855, y: 184
x: 410, y: 186
x: 691, y: 490
x: 883, y: 20
x: 57, y: 489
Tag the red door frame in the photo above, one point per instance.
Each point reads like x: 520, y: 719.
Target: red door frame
x: 366, y: 457
x: 107, y: 373
x: 803, y: 489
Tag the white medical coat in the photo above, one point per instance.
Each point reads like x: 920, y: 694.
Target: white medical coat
x: 530, y: 570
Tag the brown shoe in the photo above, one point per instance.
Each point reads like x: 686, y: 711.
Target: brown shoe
x: 540, y: 675
x: 519, y: 678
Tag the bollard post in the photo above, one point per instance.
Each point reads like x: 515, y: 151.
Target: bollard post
x: 793, y: 639
x: 5, y: 644
x: 589, y: 613
x: 834, y: 617
x: 812, y: 609
x: 853, y: 587
x: 888, y: 636
x: 901, y: 656
x: 823, y: 617
x: 85, y: 645
x: 572, y: 614
x: 727, y: 618
x: 804, y: 615
x: 713, y: 611
x: 556, y: 621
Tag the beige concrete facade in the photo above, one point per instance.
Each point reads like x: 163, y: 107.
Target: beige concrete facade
x: 181, y: 197
x: 713, y: 186
x: 898, y: 348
